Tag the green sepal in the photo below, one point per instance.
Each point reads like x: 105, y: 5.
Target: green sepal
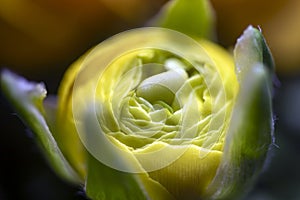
x: 192, y: 17
x: 251, y: 48
x: 248, y: 139
x: 27, y: 100
x: 250, y: 134
x: 104, y: 182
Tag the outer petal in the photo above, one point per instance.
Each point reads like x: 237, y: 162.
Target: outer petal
x: 225, y: 66
x: 67, y: 137
x: 186, y: 177
x: 27, y: 99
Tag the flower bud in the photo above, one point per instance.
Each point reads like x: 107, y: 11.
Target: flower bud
x: 152, y: 113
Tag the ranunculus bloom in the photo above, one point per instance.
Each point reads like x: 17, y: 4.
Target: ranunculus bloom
x: 154, y: 114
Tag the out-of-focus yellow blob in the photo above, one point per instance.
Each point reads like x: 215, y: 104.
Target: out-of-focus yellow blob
x: 52, y: 33
x: 278, y: 19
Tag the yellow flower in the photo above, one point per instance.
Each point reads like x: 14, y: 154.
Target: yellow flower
x: 152, y: 113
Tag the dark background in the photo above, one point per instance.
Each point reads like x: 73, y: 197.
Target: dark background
x: 25, y: 174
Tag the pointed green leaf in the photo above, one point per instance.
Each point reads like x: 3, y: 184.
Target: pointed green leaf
x: 192, y: 17
x: 27, y: 99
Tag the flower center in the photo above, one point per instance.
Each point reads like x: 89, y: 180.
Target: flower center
x: 159, y: 97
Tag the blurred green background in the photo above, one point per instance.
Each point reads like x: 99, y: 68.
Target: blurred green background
x: 39, y: 39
